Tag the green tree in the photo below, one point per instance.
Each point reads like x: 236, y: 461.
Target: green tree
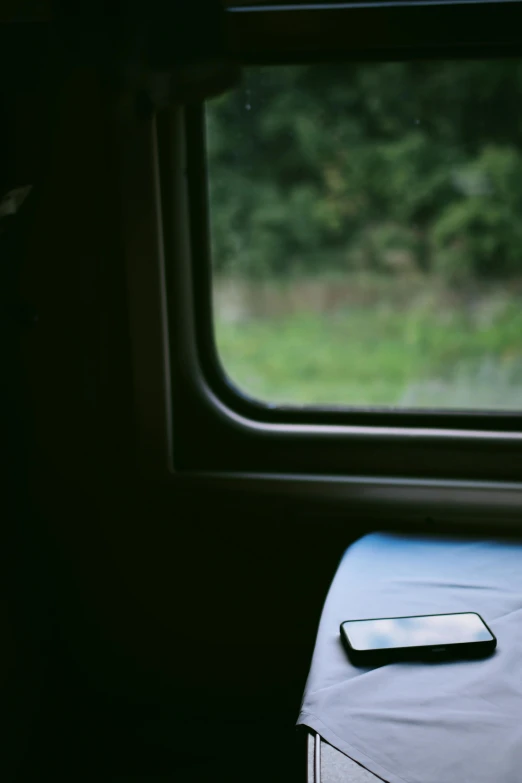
x: 364, y: 166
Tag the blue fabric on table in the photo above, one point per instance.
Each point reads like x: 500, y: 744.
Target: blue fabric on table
x: 451, y: 722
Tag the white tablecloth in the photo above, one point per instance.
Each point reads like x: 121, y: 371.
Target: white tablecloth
x: 458, y: 722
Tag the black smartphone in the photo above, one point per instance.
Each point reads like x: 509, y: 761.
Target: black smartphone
x: 382, y: 640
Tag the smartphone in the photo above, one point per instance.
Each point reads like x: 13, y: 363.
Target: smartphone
x: 382, y: 640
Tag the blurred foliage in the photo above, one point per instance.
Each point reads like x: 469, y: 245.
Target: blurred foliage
x: 386, y: 167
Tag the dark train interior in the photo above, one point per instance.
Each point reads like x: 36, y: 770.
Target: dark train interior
x: 165, y: 554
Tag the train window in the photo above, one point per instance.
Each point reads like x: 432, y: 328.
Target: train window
x: 346, y: 300
x: 365, y: 236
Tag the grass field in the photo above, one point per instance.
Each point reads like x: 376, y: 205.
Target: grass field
x: 377, y: 344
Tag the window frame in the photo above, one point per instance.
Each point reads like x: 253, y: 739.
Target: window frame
x: 299, y: 31
x: 221, y: 431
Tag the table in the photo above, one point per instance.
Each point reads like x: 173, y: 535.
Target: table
x: 328, y: 765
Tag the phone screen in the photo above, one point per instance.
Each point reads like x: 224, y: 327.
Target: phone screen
x: 420, y: 631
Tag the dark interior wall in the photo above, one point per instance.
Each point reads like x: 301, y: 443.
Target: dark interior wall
x: 157, y: 595
x: 141, y: 551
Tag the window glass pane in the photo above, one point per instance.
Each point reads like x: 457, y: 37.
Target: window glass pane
x: 366, y: 225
